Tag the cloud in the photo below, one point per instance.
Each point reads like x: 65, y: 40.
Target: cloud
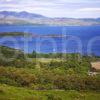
x: 89, y: 9
x: 54, y: 8
x: 8, y: 0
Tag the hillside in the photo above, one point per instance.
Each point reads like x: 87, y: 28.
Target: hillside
x: 49, y: 78
x: 36, y: 19
x: 15, y: 93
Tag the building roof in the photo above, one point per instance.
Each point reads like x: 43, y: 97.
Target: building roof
x: 96, y: 65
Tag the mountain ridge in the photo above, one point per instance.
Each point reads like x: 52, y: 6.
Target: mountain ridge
x: 11, y: 17
x: 20, y: 14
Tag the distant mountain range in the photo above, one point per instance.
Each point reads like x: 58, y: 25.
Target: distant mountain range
x: 23, y: 14
x: 15, y: 18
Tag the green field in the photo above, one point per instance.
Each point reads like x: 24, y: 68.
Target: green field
x: 17, y: 93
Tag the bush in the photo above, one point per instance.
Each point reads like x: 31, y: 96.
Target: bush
x: 33, y: 98
x: 2, y: 90
x: 16, y: 77
x: 53, y: 97
x: 5, y: 80
x: 75, y: 82
x: 92, y: 83
x: 41, y: 86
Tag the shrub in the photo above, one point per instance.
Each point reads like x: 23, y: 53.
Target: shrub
x: 2, y: 90
x: 53, y: 97
x: 33, y: 98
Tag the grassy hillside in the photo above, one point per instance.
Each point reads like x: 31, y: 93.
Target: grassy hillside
x: 46, y: 77
x: 14, y: 93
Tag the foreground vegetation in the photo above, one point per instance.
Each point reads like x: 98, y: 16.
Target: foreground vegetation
x: 49, y: 78
x: 17, y: 93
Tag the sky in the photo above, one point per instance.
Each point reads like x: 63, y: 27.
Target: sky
x: 55, y: 8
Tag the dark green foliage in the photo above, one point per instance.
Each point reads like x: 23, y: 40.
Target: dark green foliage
x: 70, y: 73
x: 92, y: 82
x: 48, y: 80
x: 16, y: 77
x: 14, y: 57
x: 75, y: 82
x: 9, y: 81
x: 52, y: 97
x: 9, y: 54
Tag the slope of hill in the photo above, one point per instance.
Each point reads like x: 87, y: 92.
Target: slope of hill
x: 36, y: 19
x: 17, y: 93
x: 23, y: 14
